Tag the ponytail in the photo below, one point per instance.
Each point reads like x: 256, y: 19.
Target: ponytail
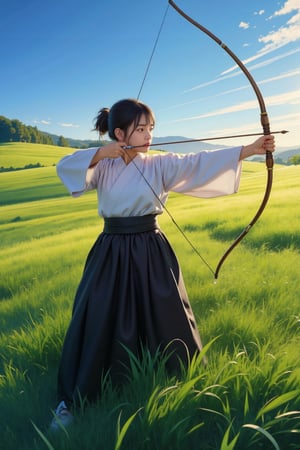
x: 101, y: 121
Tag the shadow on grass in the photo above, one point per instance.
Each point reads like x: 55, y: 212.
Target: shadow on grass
x: 276, y: 241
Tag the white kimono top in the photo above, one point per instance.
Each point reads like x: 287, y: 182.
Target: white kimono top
x: 123, y: 191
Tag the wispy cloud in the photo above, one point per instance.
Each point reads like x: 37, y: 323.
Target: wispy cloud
x: 274, y: 40
x: 281, y: 122
x: 225, y: 75
x: 244, y: 25
x: 289, y: 6
x: 69, y: 125
x: 292, y: 98
x: 285, y: 121
x: 42, y: 122
x: 269, y: 61
x: 202, y: 99
x: 281, y: 76
x: 286, y: 34
x: 264, y: 63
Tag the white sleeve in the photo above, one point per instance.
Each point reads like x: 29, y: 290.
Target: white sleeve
x: 75, y: 172
x: 205, y: 174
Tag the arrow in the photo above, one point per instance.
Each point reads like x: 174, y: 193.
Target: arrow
x: 131, y: 147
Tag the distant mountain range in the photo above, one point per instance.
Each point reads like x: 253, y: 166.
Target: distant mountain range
x: 282, y: 154
x: 183, y: 147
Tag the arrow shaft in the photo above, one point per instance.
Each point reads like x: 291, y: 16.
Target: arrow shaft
x: 185, y: 141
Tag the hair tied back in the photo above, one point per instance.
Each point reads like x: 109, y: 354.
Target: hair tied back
x: 101, y: 121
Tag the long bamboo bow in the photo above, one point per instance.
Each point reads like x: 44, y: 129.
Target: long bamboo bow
x: 266, y: 131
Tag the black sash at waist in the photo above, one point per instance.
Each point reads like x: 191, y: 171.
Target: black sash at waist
x: 128, y: 225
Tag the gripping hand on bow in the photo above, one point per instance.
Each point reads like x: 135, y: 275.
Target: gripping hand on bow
x: 259, y: 147
x: 112, y: 150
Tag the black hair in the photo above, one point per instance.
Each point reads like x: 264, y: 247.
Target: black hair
x: 121, y: 115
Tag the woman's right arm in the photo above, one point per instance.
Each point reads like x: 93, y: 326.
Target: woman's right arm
x: 76, y: 170
x: 73, y: 170
x: 111, y: 150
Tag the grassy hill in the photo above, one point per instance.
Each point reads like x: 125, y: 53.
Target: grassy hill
x: 247, y: 397
x: 20, y: 154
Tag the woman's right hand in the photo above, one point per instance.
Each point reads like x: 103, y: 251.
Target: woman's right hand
x: 112, y: 150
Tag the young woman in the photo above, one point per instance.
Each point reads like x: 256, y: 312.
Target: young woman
x: 132, y: 293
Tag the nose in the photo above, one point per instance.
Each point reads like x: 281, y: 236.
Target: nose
x: 148, y: 134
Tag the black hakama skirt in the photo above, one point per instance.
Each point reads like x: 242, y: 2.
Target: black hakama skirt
x: 131, y: 295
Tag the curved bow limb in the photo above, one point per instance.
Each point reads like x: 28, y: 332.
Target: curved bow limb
x: 264, y: 122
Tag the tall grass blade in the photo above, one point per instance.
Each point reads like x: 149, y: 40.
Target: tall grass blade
x: 226, y: 445
x: 246, y: 404
x: 277, y: 402
x: 288, y: 414
x: 264, y: 432
x: 121, y: 432
x: 43, y: 437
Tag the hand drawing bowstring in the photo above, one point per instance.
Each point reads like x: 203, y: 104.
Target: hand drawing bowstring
x: 266, y: 131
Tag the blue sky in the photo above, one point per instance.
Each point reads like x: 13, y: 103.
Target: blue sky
x: 62, y: 60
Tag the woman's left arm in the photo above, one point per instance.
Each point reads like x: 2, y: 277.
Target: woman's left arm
x: 258, y: 147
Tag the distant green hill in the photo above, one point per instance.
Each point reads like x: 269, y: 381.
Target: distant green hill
x: 20, y: 154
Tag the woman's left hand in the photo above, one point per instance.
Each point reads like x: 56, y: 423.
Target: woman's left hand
x: 264, y: 144
x: 259, y: 147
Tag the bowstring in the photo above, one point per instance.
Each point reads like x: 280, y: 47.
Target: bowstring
x: 170, y: 215
x: 138, y: 169
x: 153, y: 51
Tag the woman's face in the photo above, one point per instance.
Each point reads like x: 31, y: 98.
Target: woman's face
x: 140, y: 135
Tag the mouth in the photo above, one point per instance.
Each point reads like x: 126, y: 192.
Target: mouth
x: 147, y: 145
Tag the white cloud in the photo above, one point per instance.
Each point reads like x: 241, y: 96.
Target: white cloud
x: 69, y: 125
x: 289, y: 6
x: 281, y: 122
x: 281, y: 37
x: 287, y: 33
x: 208, y: 83
x: 273, y: 59
x: 224, y: 75
x: 244, y: 25
x: 286, y: 98
x: 282, y: 76
x: 264, y: 63
x: 42, y: 122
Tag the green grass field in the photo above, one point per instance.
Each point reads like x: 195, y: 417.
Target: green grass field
x: 248, y: 396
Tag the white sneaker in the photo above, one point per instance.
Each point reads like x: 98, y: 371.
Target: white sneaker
x: 62, y: 417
